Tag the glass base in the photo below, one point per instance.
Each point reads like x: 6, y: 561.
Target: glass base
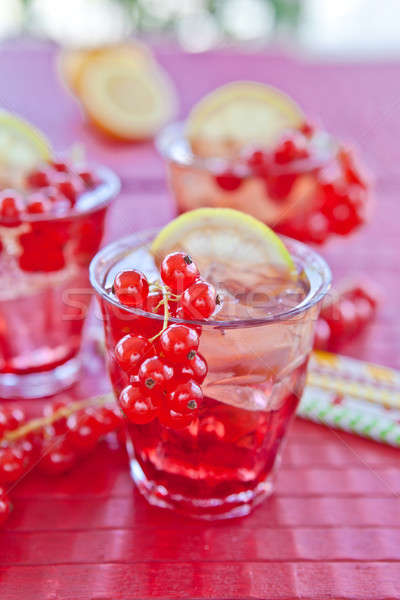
x: 230, y: 507
x: 39, y: 385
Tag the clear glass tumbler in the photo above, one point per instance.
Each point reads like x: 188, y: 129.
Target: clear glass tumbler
x: 45, y: 292
x: 222, y: 464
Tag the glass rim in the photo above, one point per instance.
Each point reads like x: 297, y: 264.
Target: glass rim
x: 301, y: 251
x: 168, y: 138
x: 108, y: 188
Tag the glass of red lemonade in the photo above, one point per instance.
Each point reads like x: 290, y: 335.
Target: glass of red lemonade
x: 49, y: 232
x: 243, y: 375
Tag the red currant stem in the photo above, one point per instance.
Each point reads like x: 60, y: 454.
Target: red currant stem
x: 61, y: 413
x: 166, y: 314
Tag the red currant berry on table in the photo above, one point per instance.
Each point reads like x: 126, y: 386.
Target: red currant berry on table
x: 131, y: 288
x: 155, y: 375
x: 179, y: 343
x: 11, y: 465
x: 342, y: 320
x: 199, y: 300
x: 5, y: 507
x: 131, y: 351
x: 186, y: 398
x: 11, y: 205
x: 39, y: 178
x: 178, y: 271
x: 60, y: 425
x: 343, y: 209
x: 196, y: 369
x: 317, y: 228
x: 83, y: 431
x: 108, y: 418
x: 137, y: 406
x: 58, y: 456
x: 228, y: 181
x: 11, y: 418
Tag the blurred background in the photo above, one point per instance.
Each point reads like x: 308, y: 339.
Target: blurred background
x: 338, y: 28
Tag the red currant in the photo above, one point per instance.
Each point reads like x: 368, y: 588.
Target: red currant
x: 83, y: 431
x: 179, y: 343
x: 155, y: 375
x: 258, y: 162
x: 199, y: 300
x: 131, y: 288
x: 59, y: 166
x: 11, y: 205
x: 131, y: 351
x: 196, y: 369
x: 343, y: 321
x: 137, y: 407
x: 342, y: 208
x: 39, y: 178
x: 88, y: 178
x: 279, y: 186
x: 5, y: 507
x: 108, y: 418
x: 60, y: 425
x: 58, y: 456
x: 175, y: 420
x: 11, y: 465
x: 350, y: 171
x: 307, y: 129
x: 70, y: 186
x: 178, y: 271
x: 38, y: 203
x: 185, y: 398
x: 11, y: 418
x: 290, y: 149
x: 228, y: 181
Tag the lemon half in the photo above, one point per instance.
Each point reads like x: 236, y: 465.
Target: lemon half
x: 223, y: 235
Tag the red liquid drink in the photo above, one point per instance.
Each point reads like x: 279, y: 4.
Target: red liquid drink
x: 45, y: 292
x: 256, y: 347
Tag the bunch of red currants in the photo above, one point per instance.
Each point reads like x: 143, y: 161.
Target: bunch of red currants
x: 166, y: 371
x: 53, y: 189
x: 54, y: 443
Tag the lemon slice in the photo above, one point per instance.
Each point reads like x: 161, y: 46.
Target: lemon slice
x: 72, y: 62
x: 128, y: 99
x: 22, y: 147
x: 223, y: 235
x: 238, y: 114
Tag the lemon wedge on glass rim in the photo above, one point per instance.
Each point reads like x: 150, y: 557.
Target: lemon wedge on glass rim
x: 22, y: 147
x: 239, y: 114
x: 223, y: 235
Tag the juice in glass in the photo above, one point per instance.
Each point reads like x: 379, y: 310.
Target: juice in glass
x: 256, y: 347
x: 45, y: 250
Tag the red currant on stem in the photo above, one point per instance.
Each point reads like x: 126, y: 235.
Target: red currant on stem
x: 60, y: 425
x: 11, y: 465
x: 155, y: 375
x: 130, y: 352
x: 228, y: 181
x: 83, y: 431
x: 196, y: 369
x: 179, y: 343
x: 137, y: 407
x: 185, y: 398
x: 58, y: 456
x: 199, y: 300
x: 109, y: 419
x: 178, y: 271
x: 88, y: 178
x: 131, y: 288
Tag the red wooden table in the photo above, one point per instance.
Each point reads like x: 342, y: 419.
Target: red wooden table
x: 332, y: 530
